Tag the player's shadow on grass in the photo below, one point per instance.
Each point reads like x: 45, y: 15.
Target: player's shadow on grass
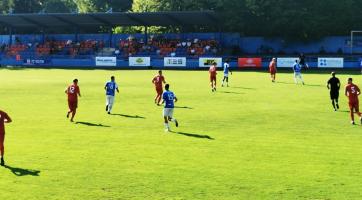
x: 195, y: 135
x: 307, y: 85
x: 22, y: 172
x: 228, y: 92
x: 184, y: 107
x: 92, y: 124
x: 130, y: 116
x: 245, y: 88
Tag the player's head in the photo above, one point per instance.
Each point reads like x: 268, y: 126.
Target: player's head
x: 160, y: 72
x: 167, y: 87
x: 333, y: 74
x: 75, y: 81
x: 227, y: 60
x: 350, y: 80
x: 296, y: 61
x: 214, y: 63
x: 274, y: 59
x: 112, y: 78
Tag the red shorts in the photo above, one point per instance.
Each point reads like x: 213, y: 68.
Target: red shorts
x: 354, y: 105
x: 212, y: 78
x: 159, y: 91
x: 273, y: 72
x: 2, y: 138
x: 73, y: 105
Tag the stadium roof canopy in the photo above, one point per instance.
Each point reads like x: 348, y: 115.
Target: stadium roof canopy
x: 96, y: 20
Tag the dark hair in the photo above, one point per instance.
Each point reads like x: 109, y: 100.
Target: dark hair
x: 350, y: 79
x: 214, y: 63
x: 167, y: 86
x: 75, y: 81
x: 112, y: 77
x: 160, y: 71
x: 333, y: 73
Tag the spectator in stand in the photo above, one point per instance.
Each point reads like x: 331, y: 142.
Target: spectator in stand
x: 189, y: 43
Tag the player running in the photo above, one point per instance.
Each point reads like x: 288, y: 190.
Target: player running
x: 226, y: 73
x: 273, y: 69
x: 213, y: 73
x: 111, y: 87
x: 352, y: 92
x: 334, y: 85
x: 158, y: 81
x: 169, y: 99
x: 73, y: 92
x: 4, y: 118
x: 297, y: 73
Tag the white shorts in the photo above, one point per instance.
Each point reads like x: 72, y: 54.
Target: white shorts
x: 109, y: 100
x: 168, y: 112
x: 226, y: 75
x: 297, y: 75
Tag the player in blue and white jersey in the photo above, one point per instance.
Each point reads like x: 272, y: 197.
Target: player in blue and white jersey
x: 226, y: 73
x: 110, y: 88
x: 297, y: 68
x: 169, y: 100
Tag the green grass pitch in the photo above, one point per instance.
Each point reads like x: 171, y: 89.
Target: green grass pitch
x: 253, y: 140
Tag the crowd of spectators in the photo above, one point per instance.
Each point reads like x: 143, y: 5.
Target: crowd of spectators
x: 162, y: 47
x: 153, y: 46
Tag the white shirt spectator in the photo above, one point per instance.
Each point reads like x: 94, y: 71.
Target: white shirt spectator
x: 196, y: 40
x: 117, y: 52
x: 192, y: 51
x: 207, y: 48
x: 184, y: 44
x: 173, y: 54
x: 189, y: 44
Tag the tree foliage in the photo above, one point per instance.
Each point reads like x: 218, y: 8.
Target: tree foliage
x: 298, y: 19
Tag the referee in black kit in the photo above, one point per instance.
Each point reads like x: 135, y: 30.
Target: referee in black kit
x: 334, y: 85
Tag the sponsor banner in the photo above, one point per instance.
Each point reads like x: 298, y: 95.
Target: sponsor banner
x: 286, y: 62
x: 174, y: 61
x: 139, y: 61
x: 250, y: 62
x: 36, y: 62
x: 207, y: 62
x: 106, y: 61
x: 330, y: 62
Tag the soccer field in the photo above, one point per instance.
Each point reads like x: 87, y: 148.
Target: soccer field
x: 253, y: 140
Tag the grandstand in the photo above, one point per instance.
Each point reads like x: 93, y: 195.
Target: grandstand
x: 44, y: 39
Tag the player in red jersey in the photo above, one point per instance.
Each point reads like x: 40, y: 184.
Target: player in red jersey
x: 73, y: 92
x: 4, y: 118
x: 158, y: 81
x: 273, y: 69
x: 352, y: 92
x: 213, y: 73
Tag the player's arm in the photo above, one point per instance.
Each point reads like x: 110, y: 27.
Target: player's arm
x: 163, y: 98
x: 66, y: 91
x: 328, y: 85
x: 7, y: 118
x: 176, y: 99
x: 358, y: 91
x: 230, y: 71
x: 78, y: 92
x: 346, y: 92
x: 338, y: 84
x: 117, y: 89
x: 153, y: 80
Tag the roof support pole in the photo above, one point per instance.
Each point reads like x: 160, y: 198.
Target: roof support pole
x: 110, y: 37
x: 146, y: 35
x: 76, y: 35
